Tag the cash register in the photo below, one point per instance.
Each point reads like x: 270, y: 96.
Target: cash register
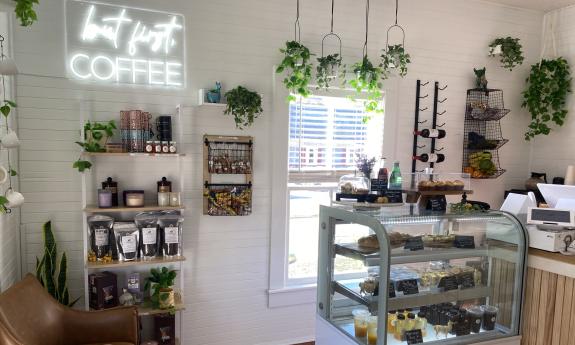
x: 552, y: 228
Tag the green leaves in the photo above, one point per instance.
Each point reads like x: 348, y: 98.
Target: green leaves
x: 25, y: 11
x: 395, y: 58
x: 244, y: 104
x: 296, y: 63
x: 82, y: 165
x: 13, y: 172
x: 511, y: 52
x: 327, y: 70
x: 163, y: 279
x: 546, y: 95
x: 7, y: 107
x: 368, y: 79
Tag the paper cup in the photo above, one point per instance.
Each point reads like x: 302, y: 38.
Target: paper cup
x: 570, y: 175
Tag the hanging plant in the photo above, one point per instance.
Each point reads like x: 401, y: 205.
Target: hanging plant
x: 296, y: 63
x: 546, y: 95
x: 25, y: 11
x: 368, y: 79
x: 510, y: 51
x: 96, y: 136
x: 395, y: 58
x: 244, y: 104
x: 328, y: 69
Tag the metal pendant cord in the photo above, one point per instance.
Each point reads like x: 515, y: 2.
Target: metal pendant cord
x: 366, y: 27
x: 297, y: 28
x: 396, y: 10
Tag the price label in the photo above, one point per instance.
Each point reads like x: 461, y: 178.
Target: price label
x: 466, y: 242
x: 414, y: 337
x: 408, y: 286
x: 436, y: 203
x: 414, y: 243
x: 378, y: 185
x: 466, y: 280
x: 394, y: 196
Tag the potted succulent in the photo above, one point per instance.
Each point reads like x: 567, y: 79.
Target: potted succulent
x: 244, y: 104
x: 214, y: 95
x: 395, y: 58
x: 328, y: 69
x: 546, y: 95
x: 296, y: 63
x: 510, y: 51
x: 161, y: 286
x: 368, y: 79
x: 96, y: 135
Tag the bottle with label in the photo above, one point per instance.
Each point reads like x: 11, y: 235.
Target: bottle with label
x: 395, y: 180
x: 432, y: 133
x: 112, y: 186
x: 430, y: 158
x: 164, y: 186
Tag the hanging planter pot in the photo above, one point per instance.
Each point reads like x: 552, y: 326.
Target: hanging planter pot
x: 329, y: 66
x: 394, y: 58
x: 509, y: 50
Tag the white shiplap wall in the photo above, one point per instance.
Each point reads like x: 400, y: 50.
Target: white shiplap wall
x: 237, y: 42
x: 9, y: 223
x: 553, y: 153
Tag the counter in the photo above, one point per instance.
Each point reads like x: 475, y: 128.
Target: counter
x: 549, y: 306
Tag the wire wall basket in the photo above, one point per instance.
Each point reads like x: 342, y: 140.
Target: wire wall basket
x: 228, y: 199
x: 229, y: 157
x: 485, y: 105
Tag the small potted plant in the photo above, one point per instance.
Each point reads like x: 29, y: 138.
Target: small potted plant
x: 296, y: 63
x: 510, y: 51
x: 395, y: 58
x: 244, y: 104
x: 327, y: 69
x: 215, y: 95
x: 161, y: 286
x: 96, y: 135
x: 368, y: 79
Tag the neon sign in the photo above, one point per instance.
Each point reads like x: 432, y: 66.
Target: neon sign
x: 116, y: 44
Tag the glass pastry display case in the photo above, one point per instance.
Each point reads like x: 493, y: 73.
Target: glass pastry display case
x: 448, y: 278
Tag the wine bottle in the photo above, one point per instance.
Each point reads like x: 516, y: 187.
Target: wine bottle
x: 430, y: 158
x: 432, y: 133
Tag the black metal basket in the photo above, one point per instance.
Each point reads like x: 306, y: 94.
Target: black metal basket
x: 228, y: 199
x: 229, y: 157
x: 485, y: 105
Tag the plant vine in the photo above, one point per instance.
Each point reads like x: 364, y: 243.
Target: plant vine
x: 510, y: 50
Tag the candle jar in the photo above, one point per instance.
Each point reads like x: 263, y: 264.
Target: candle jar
x: 149, y: 146
x: 104, y: 198
x: 164, y: 185
x: 157, y: 146
x: 134, y: 198
x: 165, y: 147
x: 112, y: 186
x: 175, y: 199
x: 164, y: 199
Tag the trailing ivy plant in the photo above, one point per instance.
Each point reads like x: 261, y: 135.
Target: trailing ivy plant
x: 546, y: 95
x: 244, y: 104
x: 395, y: 58
x: 328, y: 69
x: 25, y: 11
x: 510, y: 51
x: 368, y: 79
x: 7, y: 107
x: 96, y: 134
x: 296, y: 63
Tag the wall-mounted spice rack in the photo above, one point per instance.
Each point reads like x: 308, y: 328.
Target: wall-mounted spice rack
x: 226, y: 158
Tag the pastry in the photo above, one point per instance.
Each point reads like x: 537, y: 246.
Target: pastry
x: 458, y: 185
x: 368, y: 242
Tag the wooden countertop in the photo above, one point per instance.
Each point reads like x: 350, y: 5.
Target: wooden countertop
x: 552, y: 262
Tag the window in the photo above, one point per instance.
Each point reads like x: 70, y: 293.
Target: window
x: 326, y: 134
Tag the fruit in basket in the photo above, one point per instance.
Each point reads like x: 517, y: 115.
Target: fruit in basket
x: 482, y: 164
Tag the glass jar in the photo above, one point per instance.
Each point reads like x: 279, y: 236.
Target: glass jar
x: 157, y: 146
x: 399, y: 327
x: 173, y: 147
x: 410, y: 322
x: 165, y: 147
x: 352, y: 184
x: 164, y: 186
x: 421, y: 323
x: 149, y: 146
x: 372, y: 330
x: 391, y: 317
x: 360, y: 317
x: 111, y: 186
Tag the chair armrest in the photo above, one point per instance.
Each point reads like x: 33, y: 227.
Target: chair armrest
x: 112, y: 325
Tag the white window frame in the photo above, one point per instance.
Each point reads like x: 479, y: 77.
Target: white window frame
x: 280, y: 293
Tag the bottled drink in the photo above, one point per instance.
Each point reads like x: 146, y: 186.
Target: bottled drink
x: 395, y: 181
x: 430, y: 158
x: 432, y: 133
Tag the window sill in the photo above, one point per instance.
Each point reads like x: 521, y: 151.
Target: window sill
x: 293, y: 295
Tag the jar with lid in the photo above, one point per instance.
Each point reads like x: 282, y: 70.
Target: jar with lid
x: 391, y: 317
x: 164, y: 186
x: 112, y: 186
x: 421, y: 323
x: 173, y: 147
x: 157, y: 146
x: 352, y: 184
x: 399, y: 327
x: 410, y: 322
x: 149, y: 146
x: 165, y: 147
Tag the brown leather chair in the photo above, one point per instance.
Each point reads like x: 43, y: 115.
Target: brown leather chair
x: 30, y: 316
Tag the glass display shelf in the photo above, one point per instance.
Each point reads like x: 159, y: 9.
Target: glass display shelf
x: 440, y: 264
